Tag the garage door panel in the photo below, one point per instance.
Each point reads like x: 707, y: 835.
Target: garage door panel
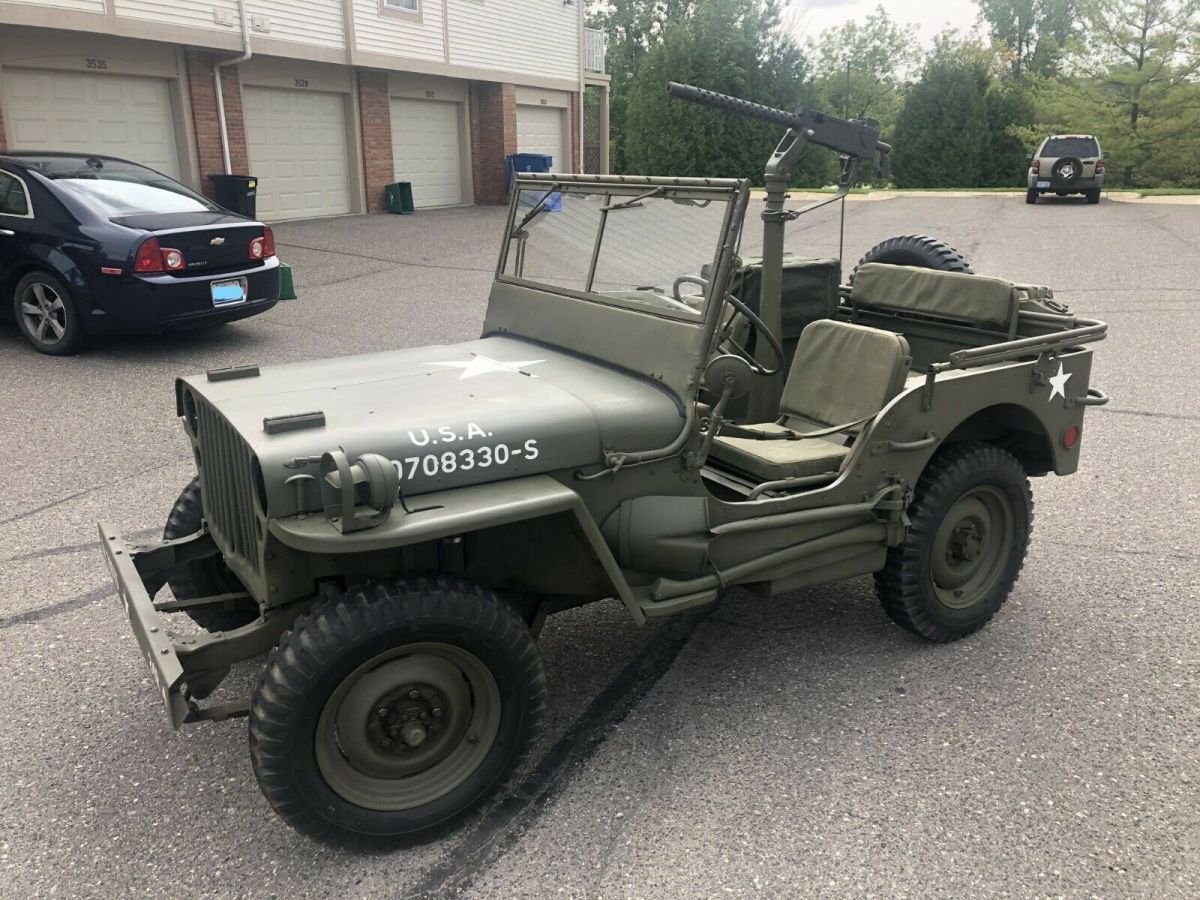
x: 426, y: 150
x: 119, y: 115
x: 540, y: 130
x: 297, y: 145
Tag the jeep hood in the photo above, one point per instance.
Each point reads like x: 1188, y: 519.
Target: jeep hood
x: 450, y: 415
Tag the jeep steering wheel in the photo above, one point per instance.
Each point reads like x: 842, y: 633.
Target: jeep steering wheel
x: 759, y: 328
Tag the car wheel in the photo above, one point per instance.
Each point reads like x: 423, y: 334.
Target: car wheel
x: 394, y: 709
x: 46, y: 315
x: 208, y: 577
x: 972, y: 514
x: 1065, y: 172
x: 1031, y: 195
x: 1093, y: 196
x: 916, y: 250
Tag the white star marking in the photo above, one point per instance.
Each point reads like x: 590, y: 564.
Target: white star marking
x: 481, y: 365
x: 1058, y: 383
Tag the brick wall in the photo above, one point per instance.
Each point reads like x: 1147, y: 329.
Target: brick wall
x: 575, y: 148
x: 493, y: 113
x: 204, y: 116
x: 375, y: 110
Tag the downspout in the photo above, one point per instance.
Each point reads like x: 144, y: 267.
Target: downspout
x: 582, y: 87
x: 246, y: 54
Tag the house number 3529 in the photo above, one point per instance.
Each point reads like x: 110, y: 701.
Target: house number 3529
x: 93, y: 63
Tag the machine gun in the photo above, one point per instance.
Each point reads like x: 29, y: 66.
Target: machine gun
x: 856, y: 141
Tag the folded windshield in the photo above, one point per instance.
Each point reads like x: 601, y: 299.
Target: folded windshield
x: 639, y: 246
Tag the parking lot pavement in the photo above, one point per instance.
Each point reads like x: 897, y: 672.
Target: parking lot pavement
x: 799, y: 746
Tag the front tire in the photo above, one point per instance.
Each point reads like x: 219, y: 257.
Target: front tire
x: 206, y: 577
x: 47, y: 316
x: 395, y: 709
x: 972, y: 514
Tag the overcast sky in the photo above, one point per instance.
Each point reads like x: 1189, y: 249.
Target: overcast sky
x: 811, y: 17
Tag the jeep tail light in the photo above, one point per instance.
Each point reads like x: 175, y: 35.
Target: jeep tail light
x: 149, y: 257
x: 1036, y: 168
x: 1070, y: 436
x: 1099, y: 167
x: 263, y: 247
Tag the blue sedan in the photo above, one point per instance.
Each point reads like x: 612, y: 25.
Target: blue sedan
x: 93, y: 245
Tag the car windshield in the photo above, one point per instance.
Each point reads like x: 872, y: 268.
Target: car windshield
x: 1071, y: 146
x: 119, y: 188
x: 638, y: 246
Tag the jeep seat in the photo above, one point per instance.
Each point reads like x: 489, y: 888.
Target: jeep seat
x: 840, y: 375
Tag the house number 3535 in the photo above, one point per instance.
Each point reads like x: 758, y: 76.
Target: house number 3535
x: 93, y: 63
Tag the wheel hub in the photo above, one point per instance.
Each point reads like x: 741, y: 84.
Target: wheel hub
x: 44, y: 313
x: 971, y: 546
x: 408, y: 726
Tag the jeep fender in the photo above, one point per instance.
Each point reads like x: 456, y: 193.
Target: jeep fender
x: 461, y: 511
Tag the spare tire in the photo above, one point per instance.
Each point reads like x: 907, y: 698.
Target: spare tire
x: 916, y: 250
x: 1066, y: 171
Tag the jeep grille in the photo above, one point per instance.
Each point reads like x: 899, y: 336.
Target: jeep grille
x: 227, y: 467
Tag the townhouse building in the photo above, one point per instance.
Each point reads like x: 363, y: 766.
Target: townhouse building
x: 325, y: 101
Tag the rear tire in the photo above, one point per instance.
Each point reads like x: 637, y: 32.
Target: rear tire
x: 1031, y: 195
x: 393, y: 710
x: 917, y: 250
x: 1093, y: 196
x: 46, y: 315
x: 972, y: 514
x: 204, y: 577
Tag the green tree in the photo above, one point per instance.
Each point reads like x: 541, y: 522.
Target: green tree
x: 1032, y: 33
x: 861, y: 67
x: 731, y: 46
x: 942, y: 133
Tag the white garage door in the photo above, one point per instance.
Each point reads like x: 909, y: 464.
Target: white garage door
x: 297, y: 145
x: 540, y: 130
x: 425, y: 150
x: 118, y: 115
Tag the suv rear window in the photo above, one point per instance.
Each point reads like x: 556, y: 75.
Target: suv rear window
x: 1071, y: 146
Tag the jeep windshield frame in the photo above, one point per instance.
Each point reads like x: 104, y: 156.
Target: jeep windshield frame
x: 601, y: 211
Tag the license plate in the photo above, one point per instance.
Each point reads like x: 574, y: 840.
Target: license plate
x: 225, y: 293
x: 1043, y: 184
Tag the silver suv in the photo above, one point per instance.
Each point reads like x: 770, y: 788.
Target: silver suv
x: 1066, y: 164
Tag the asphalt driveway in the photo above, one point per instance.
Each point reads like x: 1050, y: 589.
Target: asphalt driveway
x: 801, y: 746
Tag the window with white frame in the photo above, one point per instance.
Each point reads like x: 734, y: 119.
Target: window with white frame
x: 411, y: 6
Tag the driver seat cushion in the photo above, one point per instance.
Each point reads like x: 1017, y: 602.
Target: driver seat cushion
x: 841, y: 373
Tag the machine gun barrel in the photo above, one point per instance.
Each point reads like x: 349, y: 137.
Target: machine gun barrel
x: 858, y: 138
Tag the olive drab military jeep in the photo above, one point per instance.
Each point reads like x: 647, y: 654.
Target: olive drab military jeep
x: 647, y: 417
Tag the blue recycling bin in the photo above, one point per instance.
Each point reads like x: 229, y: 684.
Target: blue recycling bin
x: 532, y: 162
x: 526, y: 162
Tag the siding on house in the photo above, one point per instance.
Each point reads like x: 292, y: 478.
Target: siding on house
x: 410, y: 37
x: 191, y: 13
x: 315, y: 22
x: 87, y: 6
x: 540, y: 37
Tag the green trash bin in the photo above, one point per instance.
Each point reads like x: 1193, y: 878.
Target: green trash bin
x: 287, y: 288
x: 398, y: 197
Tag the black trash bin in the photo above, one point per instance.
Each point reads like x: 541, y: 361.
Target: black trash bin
x: 237, y: 193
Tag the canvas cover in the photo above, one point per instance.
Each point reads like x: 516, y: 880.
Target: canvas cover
x: 954, y: 295
x: 809, y: 289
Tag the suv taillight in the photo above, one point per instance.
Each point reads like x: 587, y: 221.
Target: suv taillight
x: 151, y: 258
x: 263, y: 247
x: 1036, y: 168
x: 1099, y: 167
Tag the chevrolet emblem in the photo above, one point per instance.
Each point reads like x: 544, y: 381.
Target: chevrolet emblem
x: 217, y: 241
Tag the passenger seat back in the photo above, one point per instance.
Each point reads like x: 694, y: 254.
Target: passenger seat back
x: 843, y: 372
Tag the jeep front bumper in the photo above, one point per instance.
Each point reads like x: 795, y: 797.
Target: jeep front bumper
x: 157, y: 646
